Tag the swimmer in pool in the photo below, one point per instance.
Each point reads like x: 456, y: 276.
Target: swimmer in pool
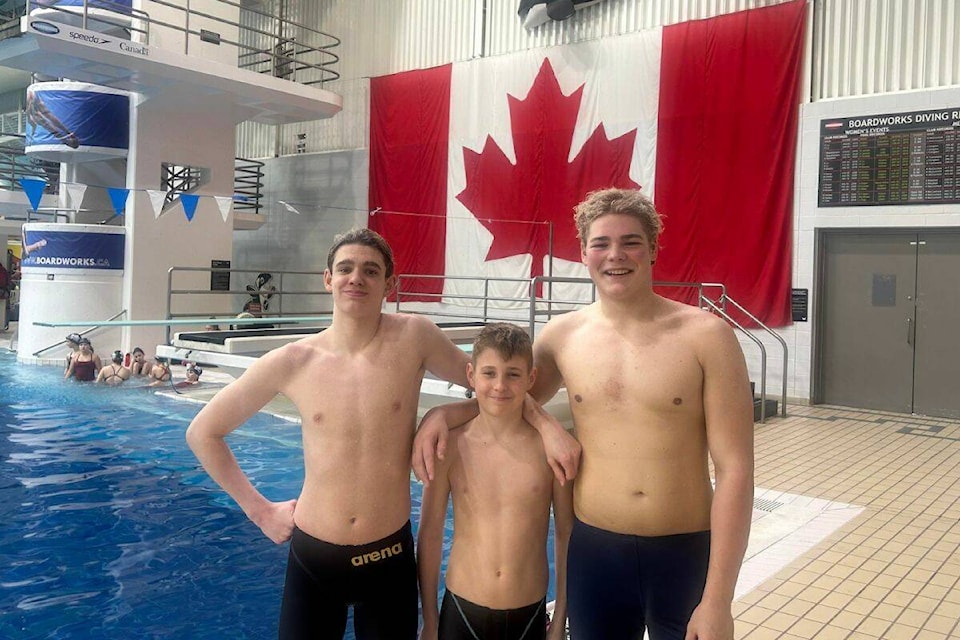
x: 139, y: 366
x: 502, y: 490
x: 192, y: 374
x: 656, y: 389
x: 114, y: 373
x: 356, y: 386
x: 159, y: 372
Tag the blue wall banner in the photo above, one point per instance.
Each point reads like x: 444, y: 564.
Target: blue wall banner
x: 76, y: 121
x: 46, y: 249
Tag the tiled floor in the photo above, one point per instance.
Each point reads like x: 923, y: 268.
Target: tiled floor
x: 892, y: 571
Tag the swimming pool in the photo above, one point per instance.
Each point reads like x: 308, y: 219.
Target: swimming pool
x: 111, y: 530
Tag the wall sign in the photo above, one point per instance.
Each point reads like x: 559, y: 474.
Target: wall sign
x: 890, y: 159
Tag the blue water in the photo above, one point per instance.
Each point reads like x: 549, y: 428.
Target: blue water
x: 111, y: 529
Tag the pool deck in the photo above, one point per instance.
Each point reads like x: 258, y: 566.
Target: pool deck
x: 856, y: 528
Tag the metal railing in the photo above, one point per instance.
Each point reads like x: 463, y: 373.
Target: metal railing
x: 266, y: 43
x: 15, y: 164
x: 278, y: 292
x: 540, y: 308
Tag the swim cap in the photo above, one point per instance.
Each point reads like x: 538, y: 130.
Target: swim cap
x: 84, y: 341
x: 196, y: 369
x: 73, y: 338
x: 117, y: 356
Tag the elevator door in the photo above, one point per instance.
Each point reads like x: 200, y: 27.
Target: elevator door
x: 890, y: 317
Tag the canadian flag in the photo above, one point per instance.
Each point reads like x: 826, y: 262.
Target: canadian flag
x: 475, y: 167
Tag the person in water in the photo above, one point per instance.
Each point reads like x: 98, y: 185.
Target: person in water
x: 114, y: 373
x: 84, y: 364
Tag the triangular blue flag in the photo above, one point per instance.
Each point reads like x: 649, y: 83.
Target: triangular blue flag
x: 189, y: 201
x: 33, y: 187
x: 119, y: 198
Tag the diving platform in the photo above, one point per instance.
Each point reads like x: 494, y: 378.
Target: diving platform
x: 61, y: 50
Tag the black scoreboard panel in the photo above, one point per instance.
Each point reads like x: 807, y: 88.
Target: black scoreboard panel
x: 890, y: 159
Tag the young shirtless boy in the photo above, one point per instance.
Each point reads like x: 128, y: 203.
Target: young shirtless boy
x: 356, y: 386
x: 656, y: 387
x: 502, y: 486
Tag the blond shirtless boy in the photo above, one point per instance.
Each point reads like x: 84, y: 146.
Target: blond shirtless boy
x: 356, y: 386
x: 656, y: 387
x: 502, y: 486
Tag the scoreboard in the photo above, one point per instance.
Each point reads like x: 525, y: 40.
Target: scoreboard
x: 890, y: 159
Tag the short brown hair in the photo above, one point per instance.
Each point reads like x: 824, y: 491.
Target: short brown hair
x: 366, y: 238
x: 626, y: 201
x: 508, y: 340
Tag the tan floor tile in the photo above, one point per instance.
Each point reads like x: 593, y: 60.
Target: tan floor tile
x: 912, y: 617
x: 742, y: 629
x: 822, y: 613
x: 925, y: 604
x: 797, y: 607
x: 949, y: 609
x: 874, y: 627
x: 838, y: 600
x: 886, y: 612
x: 790, y: 589
x: 762, y: 633
x: 780, y: 621
x: 813, y: 594
x: 806, y: 628
x: 900, y: 632
x: 831, y: 633
x: 861, y: 605
x: 940, y: 624
x: 756, y: 615
x: 847, y: 620
x: 884, y: 581
x: 934, y: 591
x: 774, y: 601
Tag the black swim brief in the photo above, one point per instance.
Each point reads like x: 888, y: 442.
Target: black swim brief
x: 619, y: 584
x: 461, y: 619
x: 379, y: 579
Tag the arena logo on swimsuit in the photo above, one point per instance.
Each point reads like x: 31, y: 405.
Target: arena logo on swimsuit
x: 374, y: 556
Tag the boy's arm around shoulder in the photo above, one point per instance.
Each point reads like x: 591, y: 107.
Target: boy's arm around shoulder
x: 433, y: 514
x: 563, y: 526
x: 441, y: 357
x: 728, y: 413
x: 448, y: 362
x: 231, y: 407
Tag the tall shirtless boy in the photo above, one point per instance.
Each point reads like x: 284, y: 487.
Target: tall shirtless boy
x: 356, y: 386
x: 655, y: 387
x: 502, y: 486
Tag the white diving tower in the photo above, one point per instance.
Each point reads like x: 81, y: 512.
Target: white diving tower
x: 195, y: 69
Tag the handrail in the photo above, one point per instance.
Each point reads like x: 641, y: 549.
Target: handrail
x: 716, y: 308
x: 278, y: 292
x: 783, y: 344
x: 288, y: 54
x: 36, y: 354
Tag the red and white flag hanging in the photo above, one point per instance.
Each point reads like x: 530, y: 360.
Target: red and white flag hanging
x: 476, y: 166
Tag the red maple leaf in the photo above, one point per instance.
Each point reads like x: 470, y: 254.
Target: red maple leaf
x: 516, y: 203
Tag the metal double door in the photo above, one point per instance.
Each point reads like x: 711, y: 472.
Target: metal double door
x: 889, y: 331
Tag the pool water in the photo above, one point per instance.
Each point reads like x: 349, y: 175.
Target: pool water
x: 111, y: 529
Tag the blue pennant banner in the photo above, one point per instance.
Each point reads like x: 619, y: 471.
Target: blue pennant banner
x: 189, y: 201
x: 119, y: 199
x: 33, y: 187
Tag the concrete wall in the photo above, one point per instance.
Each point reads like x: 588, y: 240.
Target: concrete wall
x: 194, y: 132
x: 809, y: 218
x: 330, y: 191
